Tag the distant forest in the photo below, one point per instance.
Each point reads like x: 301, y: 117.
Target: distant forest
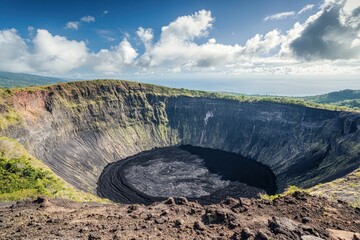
x: 346, y: 98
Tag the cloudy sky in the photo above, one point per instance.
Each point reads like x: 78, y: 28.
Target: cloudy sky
x: 198, y: 42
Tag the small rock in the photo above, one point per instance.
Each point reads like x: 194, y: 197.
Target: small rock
x: 159, y: 220
x: 60, y: 234
x: 43, y: 201
x: 93, y: 237
x: 132, y: 208
x: 245, y: 202
x: 231, y: 201
x: 179, y: 223
x: 305, y: 220
x: 236, y: 236
x: 342, y: 202
x: 181, y: 201
x: 339, y: 234
x: 218, y: 216
x: 266, y: 202
x: 82, y: 230
x: 310, y: 237
x: 289, y: 200
x: 192, y: 211
x: 170, y: 201
x: 276, y: 202
x: 148, y: 217
x: 38, y: 200
x: 164, y: 213
x: 260, y: 235
x: 246, y: 233
x: 282, y: 225
x: 300, y: 195
x: 309, y: 230
x: 199, y: 226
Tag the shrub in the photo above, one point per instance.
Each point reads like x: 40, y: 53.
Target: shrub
x: 18, y: 178
x: 289, y: 191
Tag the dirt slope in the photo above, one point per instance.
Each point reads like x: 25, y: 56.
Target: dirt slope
x: 299, y: 216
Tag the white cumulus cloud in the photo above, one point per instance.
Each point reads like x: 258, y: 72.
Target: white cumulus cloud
x: 14, y: 54
x: 72, y: 25
x: 188, y: 27
x: 113, y: 60
x: 75, y: 25
x: 263, y: 44
x: 178, y: 51
x: 327, y: 42
x: 146, y: 36
x: 57, y: 54
x: 176, y: 47
x: 53, y: 54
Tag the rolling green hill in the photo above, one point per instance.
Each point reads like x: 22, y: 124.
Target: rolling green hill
x: 9, y: 80
x: 346, y: 98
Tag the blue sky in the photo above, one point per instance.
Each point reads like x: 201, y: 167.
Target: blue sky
x: 235, y: 21
x: 157, y: 41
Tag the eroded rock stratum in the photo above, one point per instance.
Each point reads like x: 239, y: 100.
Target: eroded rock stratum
x: 79, y: 128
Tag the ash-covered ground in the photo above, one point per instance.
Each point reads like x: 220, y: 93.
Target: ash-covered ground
x: 205, y: 175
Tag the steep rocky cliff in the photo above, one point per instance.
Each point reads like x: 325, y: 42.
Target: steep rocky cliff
x: 78, y: 128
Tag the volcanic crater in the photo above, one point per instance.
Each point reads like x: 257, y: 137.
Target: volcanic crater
x: 139, y: 143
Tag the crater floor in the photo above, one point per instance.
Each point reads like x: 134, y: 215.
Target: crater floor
x: 201, y: 174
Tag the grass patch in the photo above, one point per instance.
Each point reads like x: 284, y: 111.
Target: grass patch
x: 289, y: 191
x: 23, y: 176
x: 9, y: 118
x: 19, y: 179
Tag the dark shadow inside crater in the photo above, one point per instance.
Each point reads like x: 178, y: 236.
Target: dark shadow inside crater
x: 201, y: 174
x: 234, y: 167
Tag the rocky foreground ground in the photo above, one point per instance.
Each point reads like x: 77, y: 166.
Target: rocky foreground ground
x: 299, y: 216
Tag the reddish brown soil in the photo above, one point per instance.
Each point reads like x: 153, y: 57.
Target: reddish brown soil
x: 293, y: 217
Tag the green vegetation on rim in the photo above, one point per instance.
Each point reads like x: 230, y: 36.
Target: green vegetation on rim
x: 8, y: 116
x: 23, y: 176
x: 289, y: 191
x: 167, y: 91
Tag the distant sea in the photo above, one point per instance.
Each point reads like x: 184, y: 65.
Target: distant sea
x: 278, y: 87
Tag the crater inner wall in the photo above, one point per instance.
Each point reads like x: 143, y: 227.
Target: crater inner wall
x: 77, y: 131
